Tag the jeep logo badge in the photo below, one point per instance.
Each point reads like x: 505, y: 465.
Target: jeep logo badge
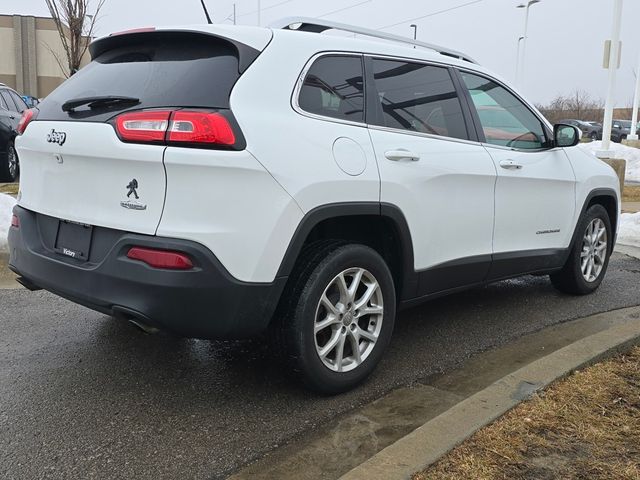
x: 56, y: 137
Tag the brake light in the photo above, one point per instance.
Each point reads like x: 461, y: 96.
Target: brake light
x: 134, y: 30
x: 27, y: 117
x: 179, y: 127
x: 166, y: 259
x: 200, y: 127
x: 148, y: 126
x: 15, y: 221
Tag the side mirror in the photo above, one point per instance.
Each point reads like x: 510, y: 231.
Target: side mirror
x: 566, y: 135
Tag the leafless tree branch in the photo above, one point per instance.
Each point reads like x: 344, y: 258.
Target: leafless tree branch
x: 75, y: 27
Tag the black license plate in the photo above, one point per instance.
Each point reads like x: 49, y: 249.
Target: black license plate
x: 74, y: 240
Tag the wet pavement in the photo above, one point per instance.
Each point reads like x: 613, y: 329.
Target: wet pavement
x: 86, y: 396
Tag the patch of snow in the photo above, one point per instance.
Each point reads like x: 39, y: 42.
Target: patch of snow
x: 630, y: 154
x: 629, y: 231
x: 6, y: 206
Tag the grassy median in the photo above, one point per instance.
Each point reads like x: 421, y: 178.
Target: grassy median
x: 631, y: 193
x: 584, y: 427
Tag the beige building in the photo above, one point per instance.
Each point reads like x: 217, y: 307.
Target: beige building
x: 27, y: 63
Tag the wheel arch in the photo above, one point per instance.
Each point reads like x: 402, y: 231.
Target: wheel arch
x: 608, y: 198
x: 380, y: 226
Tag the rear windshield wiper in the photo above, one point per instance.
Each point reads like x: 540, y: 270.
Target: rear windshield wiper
x: 98, y: 101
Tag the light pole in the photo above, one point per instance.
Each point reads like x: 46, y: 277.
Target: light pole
x: 636, y: 100
x: 614, y: 54
x: 259, y: 13
x: 524, y: 42
x: 518, y: 60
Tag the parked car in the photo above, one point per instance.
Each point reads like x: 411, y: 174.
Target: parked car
x: 592, y: 130
x: 621, y: 129
x: 11, y: 108
x: 30, y: 101
x: 222, y: 182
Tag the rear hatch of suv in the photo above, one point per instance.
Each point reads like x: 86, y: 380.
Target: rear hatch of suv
x: 94, y: 152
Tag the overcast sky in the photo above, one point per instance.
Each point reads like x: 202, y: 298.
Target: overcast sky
x: 564, y: 50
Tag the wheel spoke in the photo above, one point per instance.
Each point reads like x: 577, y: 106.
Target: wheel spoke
x: 583, y: 267
x: 342, y: 287
x: 340, y: 352
x: 355, y: 283
x: 327, y: 322
x: 364, y: 300
x: 355, y: 347
x: 589, y: 269
x: 331, y: 344
x: 326, y: 303
x: 367, y: 335
x: 372, y: 310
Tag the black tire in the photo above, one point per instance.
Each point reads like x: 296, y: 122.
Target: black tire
x: 292, y: 331
x: 7, y: 174
x: 594, y: 136
x: 571, y: 279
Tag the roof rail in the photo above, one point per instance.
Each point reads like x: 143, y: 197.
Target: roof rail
x: 307, y: 24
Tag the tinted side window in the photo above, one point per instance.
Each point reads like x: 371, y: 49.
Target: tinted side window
x: 20, y: 105
x: 4, y: 94
x: 334, y: 87
x: 3, y: 103
x: 505, y: 120
x: 419, y: 98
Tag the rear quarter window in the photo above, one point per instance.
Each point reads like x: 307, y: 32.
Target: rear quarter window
x: 334, y: 87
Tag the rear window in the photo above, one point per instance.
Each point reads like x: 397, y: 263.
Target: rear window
x: 162, y: 70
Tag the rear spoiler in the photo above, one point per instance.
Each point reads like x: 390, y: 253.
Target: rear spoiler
x: 246, y: 54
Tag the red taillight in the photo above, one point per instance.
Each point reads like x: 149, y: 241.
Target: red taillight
x: 161, y: 258
x: 26, y: 118
x: 150, y: 126
x: 179, y: 127
x: 15, y: 221
x: 200, y: 127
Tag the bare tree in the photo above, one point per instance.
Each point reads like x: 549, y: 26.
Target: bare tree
x: 75, y: 27
x: 579, y: 105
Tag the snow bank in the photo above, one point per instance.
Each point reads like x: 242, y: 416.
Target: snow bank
x: 630, y: 154
x: 629, y: 232
x: 6, y: 205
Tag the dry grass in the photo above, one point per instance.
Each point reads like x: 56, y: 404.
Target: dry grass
x: 584, y: 427
x: 10, y: 188
x: 631, y: 193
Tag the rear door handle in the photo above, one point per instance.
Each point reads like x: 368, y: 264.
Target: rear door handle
x: 510, y: 164
x: 401, y: 154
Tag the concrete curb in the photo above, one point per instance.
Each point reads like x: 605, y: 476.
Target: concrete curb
x: 425, y: 445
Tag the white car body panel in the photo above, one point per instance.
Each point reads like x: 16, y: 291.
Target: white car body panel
x: 444, y: 195
x: 230, y: 203
x: 535, y: 204
x: 88, y: 180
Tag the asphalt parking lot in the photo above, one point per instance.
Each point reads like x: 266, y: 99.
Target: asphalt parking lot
x: 86, y: 396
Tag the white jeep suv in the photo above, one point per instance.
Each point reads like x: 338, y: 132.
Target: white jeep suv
x: 220, y: 182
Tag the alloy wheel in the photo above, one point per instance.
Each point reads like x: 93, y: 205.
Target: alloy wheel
x: 12, y: 158
x: 594, y: 250
x: 348, y: 319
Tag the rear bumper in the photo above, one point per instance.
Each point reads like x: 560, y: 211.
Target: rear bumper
x: 205, y: 302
